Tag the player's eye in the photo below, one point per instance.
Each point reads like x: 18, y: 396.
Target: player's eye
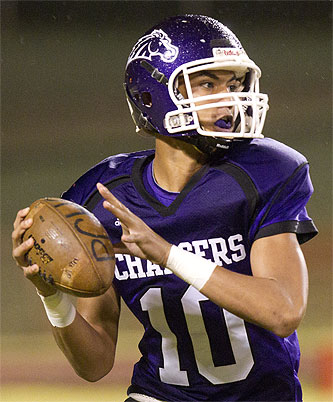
x: 235, y: 87
x: 207, y: 85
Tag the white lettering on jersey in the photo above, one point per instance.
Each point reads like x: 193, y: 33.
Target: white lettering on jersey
x: 237, y: 247
x: 198, y: 245
x: 220, y: 250
x: 153, y: 269
x: 185, y: 246
x: 132, y: 264
x: 223, y: 252
x: 120, y: 276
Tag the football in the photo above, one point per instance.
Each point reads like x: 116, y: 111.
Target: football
x: 71, y: 247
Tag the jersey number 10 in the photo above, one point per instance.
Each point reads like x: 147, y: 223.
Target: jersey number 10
x: 171, y: 373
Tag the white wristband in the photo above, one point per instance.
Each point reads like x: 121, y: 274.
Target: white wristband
x: 59, y: 309
x: 192, y: 268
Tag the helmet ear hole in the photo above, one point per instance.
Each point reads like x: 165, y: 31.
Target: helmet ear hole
x: 146, y: 99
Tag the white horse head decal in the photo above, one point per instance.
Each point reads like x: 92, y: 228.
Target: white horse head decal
x: 156, y: 43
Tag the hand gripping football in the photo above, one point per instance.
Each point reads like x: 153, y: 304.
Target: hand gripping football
x: 71, y: 247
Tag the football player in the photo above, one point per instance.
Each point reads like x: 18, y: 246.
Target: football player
x: 206, y: 228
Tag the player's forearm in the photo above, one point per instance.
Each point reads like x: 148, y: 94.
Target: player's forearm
x: 262, y: 301
x: 90, y: 351
x: 274, y: 298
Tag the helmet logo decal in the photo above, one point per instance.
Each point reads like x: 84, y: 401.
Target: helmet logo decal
x: 156, y: 43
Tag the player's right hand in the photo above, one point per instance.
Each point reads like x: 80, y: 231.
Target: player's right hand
x: 137, y: 238
x: 20, y: 250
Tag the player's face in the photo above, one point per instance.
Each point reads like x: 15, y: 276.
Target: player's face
x: 211, y: 82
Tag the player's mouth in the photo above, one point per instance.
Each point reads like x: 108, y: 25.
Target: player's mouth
x: 225, y: 123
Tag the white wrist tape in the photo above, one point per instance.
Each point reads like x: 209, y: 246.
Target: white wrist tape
x: 59, y: 309
x: 192, y: 268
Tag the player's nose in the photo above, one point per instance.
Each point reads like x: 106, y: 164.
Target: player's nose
x: 225, y: 95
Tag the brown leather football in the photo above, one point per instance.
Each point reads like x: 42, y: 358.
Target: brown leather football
x: 71, y: 247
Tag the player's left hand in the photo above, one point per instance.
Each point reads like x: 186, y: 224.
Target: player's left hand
x: 138, y: 238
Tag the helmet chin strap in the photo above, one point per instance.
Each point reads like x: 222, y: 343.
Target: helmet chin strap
x: 212, y: 146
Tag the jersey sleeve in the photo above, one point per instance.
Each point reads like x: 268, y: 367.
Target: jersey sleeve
x: 112, y: 167
x: 79, y: 190
x: 285, y: 211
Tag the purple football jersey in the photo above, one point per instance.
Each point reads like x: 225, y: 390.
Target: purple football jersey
x: 193, y: 350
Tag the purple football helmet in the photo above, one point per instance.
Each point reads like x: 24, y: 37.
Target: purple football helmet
x: 178, y: 47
